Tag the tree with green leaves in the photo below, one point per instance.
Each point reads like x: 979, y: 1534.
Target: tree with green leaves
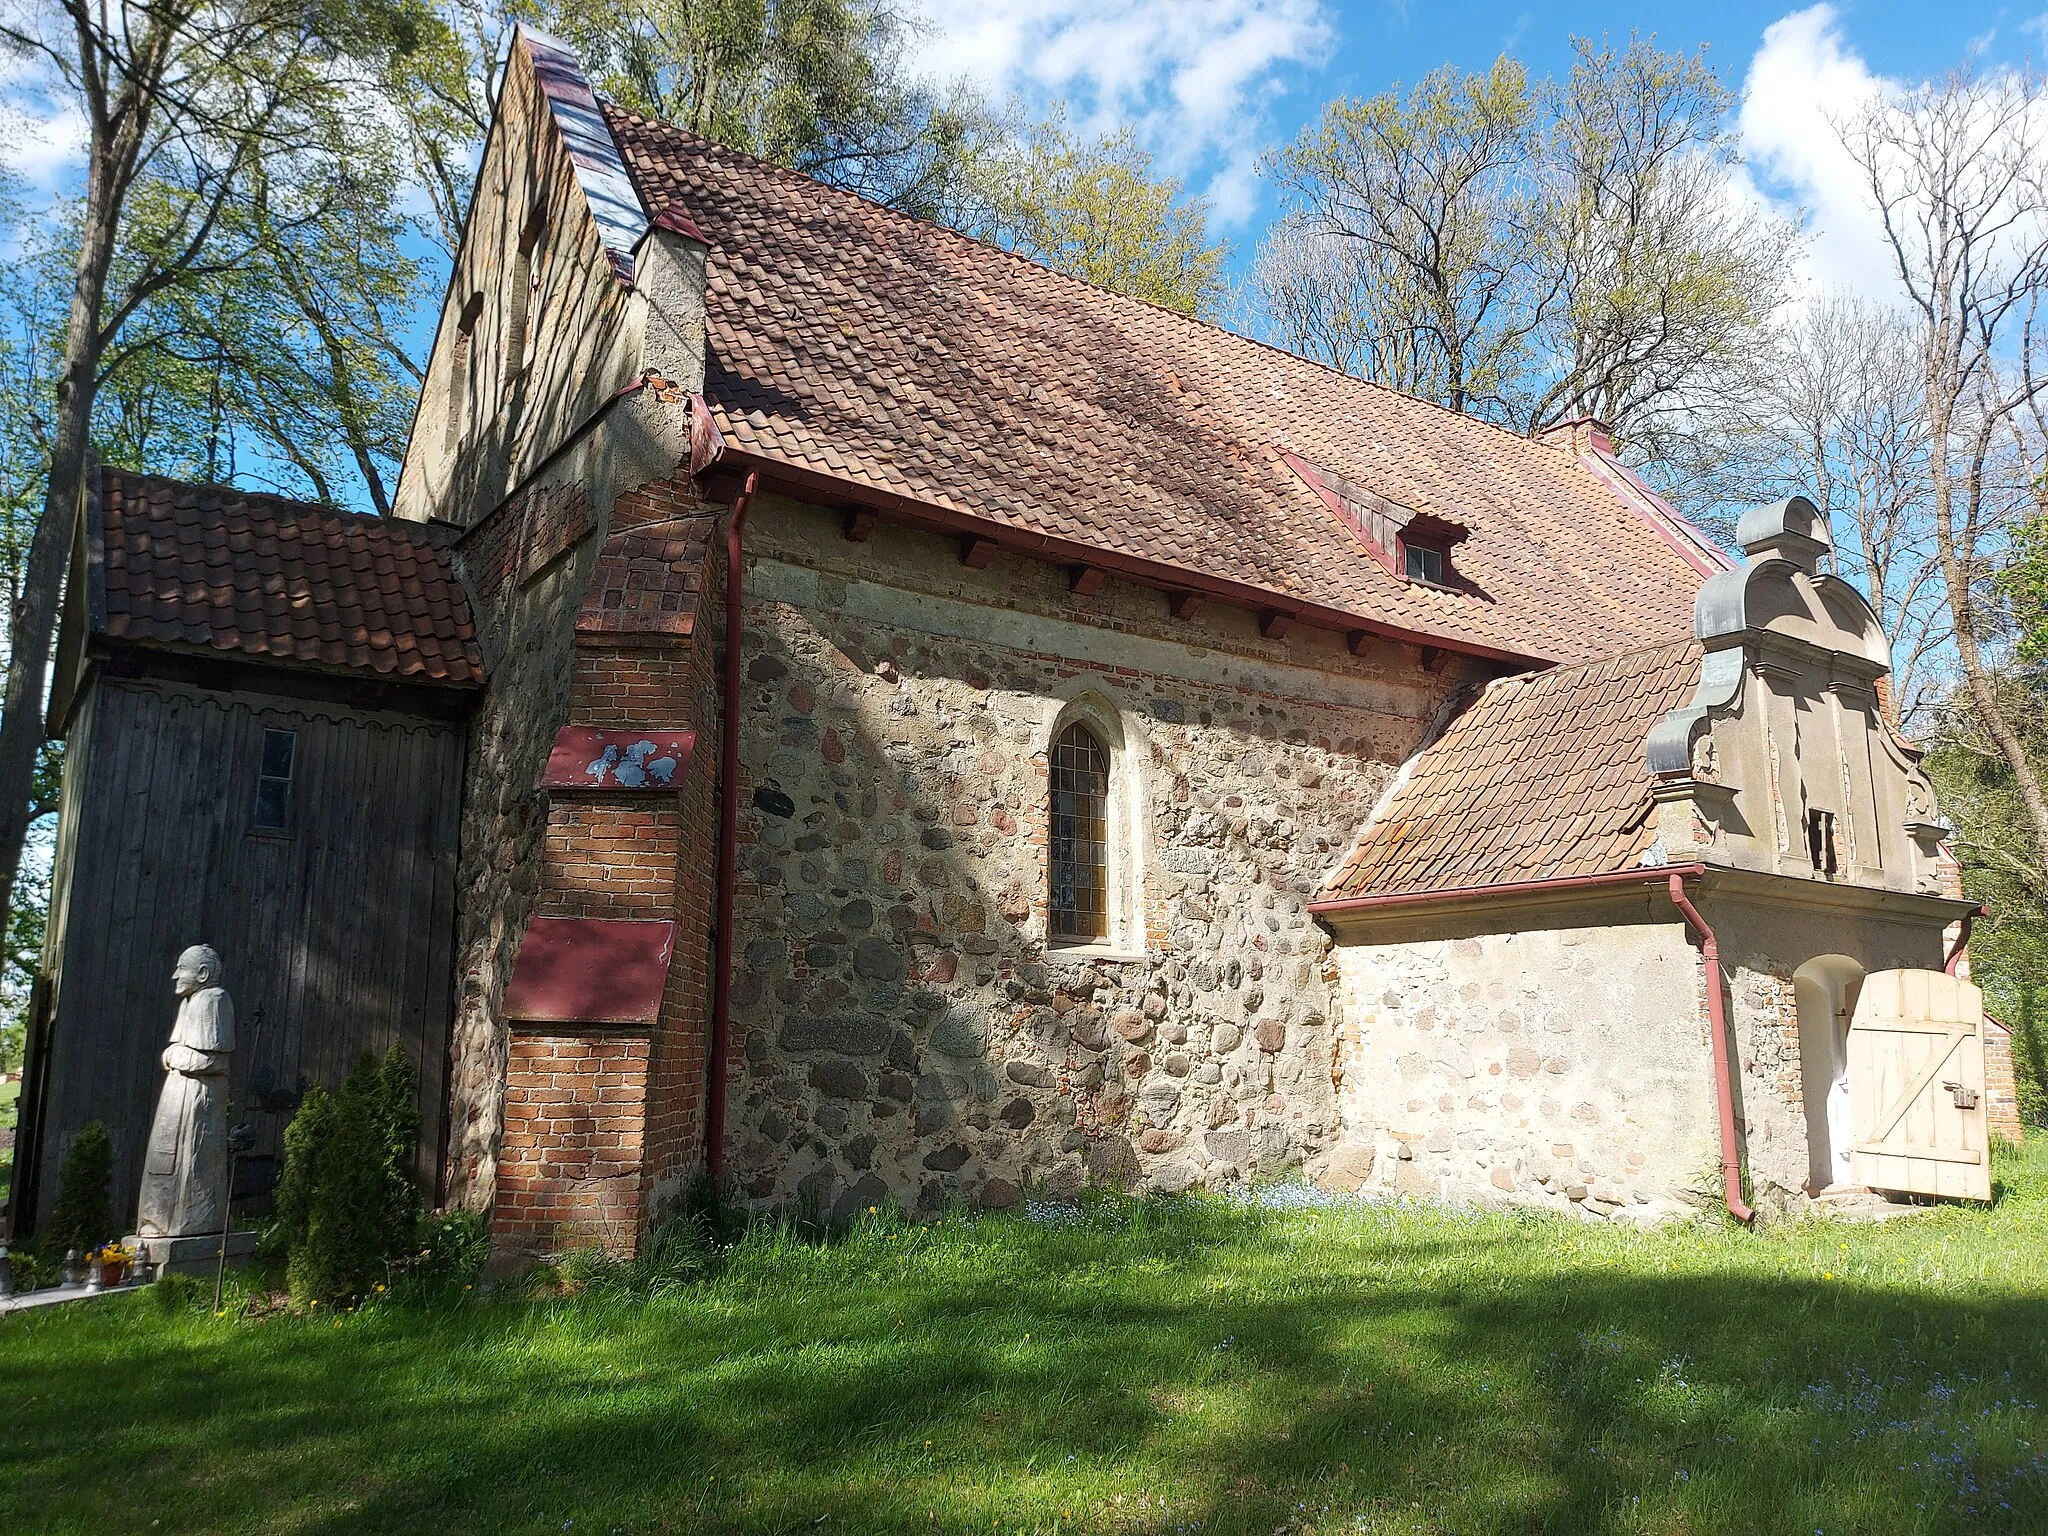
x: 2024, y: 583
x: 1094, y: 210
x: 825, y: 87
x: 2009, y: 948
x: 1415, y: 219
x: 182, y: 104
x: 1531, y: 251
x: 1662, y: 282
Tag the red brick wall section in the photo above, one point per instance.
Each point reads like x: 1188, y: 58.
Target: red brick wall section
x: 677, y: 1071
x: 492, y: 549
x: 557, y: 519
x: 2001, y: 1096
x: 612, y: 854
x: 569, y: 1167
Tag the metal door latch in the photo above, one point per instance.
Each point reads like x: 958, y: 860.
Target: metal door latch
x: 1966, y: 1098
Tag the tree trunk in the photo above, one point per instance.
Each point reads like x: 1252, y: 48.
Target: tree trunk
x: 1955, y: 576
x: 35, y: 611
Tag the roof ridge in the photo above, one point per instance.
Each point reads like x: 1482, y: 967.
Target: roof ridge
x: 949, y: 231
x: 294, y: 505
x: 1553, y: 675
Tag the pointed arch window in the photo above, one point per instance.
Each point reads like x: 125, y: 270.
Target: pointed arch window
x: 1079, y: 836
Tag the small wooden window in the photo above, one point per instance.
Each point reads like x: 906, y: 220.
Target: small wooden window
x: 1820, y: 840
x: 1080, y: 836
x: 274, y: 779
x: 1426, y: 563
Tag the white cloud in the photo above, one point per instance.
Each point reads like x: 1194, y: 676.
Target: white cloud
x: 42, y: 136
x: 1193, y: 76
x: 1803, y: 81
x: 45, y: 149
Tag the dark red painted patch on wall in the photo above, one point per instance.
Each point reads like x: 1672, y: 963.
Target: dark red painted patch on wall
x: 585, y: 970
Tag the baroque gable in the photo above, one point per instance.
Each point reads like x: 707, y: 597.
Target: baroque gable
x: 1782, y: 762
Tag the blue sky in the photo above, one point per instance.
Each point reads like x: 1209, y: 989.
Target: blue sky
x: 1212, y: 83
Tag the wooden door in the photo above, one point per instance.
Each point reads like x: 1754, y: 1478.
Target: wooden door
x: 1916, y: 1086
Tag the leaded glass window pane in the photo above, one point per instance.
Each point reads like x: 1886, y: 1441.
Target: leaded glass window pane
x: 1080, y: 834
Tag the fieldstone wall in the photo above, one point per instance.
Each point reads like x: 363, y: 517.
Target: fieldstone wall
x: 907, y: 1032
x: 1771, y: 1095
x: 1558, y: 1067
x: 526, y: 628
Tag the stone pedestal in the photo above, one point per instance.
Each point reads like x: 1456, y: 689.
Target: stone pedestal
x: 192, y: 1255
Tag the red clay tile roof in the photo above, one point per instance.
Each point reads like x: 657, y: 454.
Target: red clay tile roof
x: 277, y: 580
x: 1544, y: 775
x: 850, y: 341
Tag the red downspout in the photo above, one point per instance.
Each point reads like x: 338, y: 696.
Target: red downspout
x: 728, y: 840
x: 1717, y: 1020
x: 1955, y: 956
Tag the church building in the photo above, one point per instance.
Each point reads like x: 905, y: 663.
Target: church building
x: 942, y: 731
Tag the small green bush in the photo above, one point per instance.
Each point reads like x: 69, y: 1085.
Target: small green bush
x: 348, y: 1210
x: 453, y: 1246
x: 34, y: 1267
x: 174, y: 1294
x: 82, y: 1218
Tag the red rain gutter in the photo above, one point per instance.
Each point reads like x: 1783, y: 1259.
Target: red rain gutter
x: 833, y: 490
x: 1512, y: 888
x: 1717, y: 1021
x: 728, y: 839
x: 1955, y: 955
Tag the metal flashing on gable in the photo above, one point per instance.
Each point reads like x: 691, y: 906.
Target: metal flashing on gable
x: 613, y: 199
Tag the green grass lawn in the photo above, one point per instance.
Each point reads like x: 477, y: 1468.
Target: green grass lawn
x: 1197, y: 1365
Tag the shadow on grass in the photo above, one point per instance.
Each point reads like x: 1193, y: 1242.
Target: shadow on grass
x: 1220, y: 1380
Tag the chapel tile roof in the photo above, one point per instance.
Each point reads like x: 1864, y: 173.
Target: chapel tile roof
x: 272, y: 579
x: 851, y: 341
x: 1544, y: 775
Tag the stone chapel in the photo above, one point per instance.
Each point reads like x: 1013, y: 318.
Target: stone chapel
x: 941, y: 731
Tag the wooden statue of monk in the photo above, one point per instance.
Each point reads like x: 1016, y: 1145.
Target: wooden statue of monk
x: 185, y: 1172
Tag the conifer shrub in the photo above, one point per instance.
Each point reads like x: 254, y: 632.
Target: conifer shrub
x: 83, y: 1217
x: 348, y: 1210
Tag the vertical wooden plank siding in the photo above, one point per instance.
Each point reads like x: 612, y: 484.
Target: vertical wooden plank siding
x: 337, y: 933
